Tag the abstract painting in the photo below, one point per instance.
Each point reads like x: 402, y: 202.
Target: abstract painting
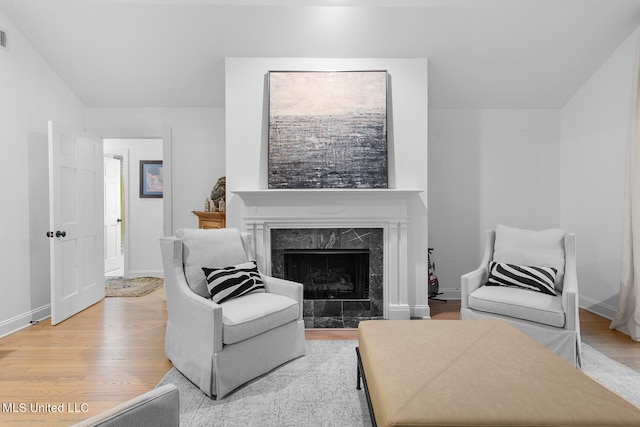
x: 328, y: 129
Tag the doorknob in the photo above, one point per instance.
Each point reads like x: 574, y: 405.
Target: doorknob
x: 50, y: 234
x: 61, y: 233
x: 118, y: 220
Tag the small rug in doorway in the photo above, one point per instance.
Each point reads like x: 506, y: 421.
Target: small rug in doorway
x: 131, y: 287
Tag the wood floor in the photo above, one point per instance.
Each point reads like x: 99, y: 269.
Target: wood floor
x: 114, y: 351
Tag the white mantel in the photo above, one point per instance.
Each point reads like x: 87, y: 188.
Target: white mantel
x: 387, y: 209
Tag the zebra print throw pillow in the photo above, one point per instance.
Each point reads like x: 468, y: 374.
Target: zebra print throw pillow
x: 233, y: 281
x: 540, y: 279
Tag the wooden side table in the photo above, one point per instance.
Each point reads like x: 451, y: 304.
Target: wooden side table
x: 211, y: 219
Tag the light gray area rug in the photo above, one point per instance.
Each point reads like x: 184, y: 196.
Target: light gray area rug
x: 319, y: 389
x: 614, y: 375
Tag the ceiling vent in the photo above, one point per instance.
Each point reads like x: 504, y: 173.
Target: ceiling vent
x: 3, y: 39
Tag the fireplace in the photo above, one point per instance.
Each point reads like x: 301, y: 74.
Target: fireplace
x: 341, y: 270
x: 329, y: 273
x: 374, y: 219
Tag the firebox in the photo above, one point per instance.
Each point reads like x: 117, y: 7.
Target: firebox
x: 329, y: 273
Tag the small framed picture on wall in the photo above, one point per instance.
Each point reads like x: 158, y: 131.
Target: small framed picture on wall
x: 151, y: 179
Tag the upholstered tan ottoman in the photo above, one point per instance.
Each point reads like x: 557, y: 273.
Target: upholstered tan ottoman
x: 477, y: 373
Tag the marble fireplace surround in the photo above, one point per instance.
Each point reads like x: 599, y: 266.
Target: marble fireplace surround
x: 335, y: 312
x: 385, y: 209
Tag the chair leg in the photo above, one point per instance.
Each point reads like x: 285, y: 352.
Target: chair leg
x: 358, y: 371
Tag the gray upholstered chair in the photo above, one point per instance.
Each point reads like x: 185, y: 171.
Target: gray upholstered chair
x: 159, y: 407
x: 551, y: 320
x: 219, y: 347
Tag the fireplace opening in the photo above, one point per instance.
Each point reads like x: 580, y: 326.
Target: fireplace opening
x: 329, y: 273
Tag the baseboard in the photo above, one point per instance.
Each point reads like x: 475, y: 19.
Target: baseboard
x: 447, y: 294
x: 146, y: 273
x: 21, y: 321
x: 601, y: 309
x: 399, y: 312
x: 420, y: 312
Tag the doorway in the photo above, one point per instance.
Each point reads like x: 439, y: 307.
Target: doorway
x: 141, y: 219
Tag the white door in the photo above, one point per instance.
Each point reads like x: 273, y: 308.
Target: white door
x: 113, y: 259
x: 75, y: 218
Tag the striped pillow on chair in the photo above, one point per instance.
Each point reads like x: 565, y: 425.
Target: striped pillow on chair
x: 233, y: 281
x: 539, y: 279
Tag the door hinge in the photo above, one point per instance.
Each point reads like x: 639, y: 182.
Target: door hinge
x: 3, y: 39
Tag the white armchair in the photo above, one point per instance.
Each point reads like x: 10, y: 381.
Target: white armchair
x: 159, y: 407
x: 552, y: 320
x: 219, y: 347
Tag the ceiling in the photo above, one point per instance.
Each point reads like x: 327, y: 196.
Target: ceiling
x: 170, y: 53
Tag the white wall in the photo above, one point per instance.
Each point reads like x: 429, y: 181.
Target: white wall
x: 488, y: 167
x: 198, y: 148
x: 144, y: 215
x: 32, y: 94
x: 246, y: 137
x: 536, y: 169
x: 594, y: 139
